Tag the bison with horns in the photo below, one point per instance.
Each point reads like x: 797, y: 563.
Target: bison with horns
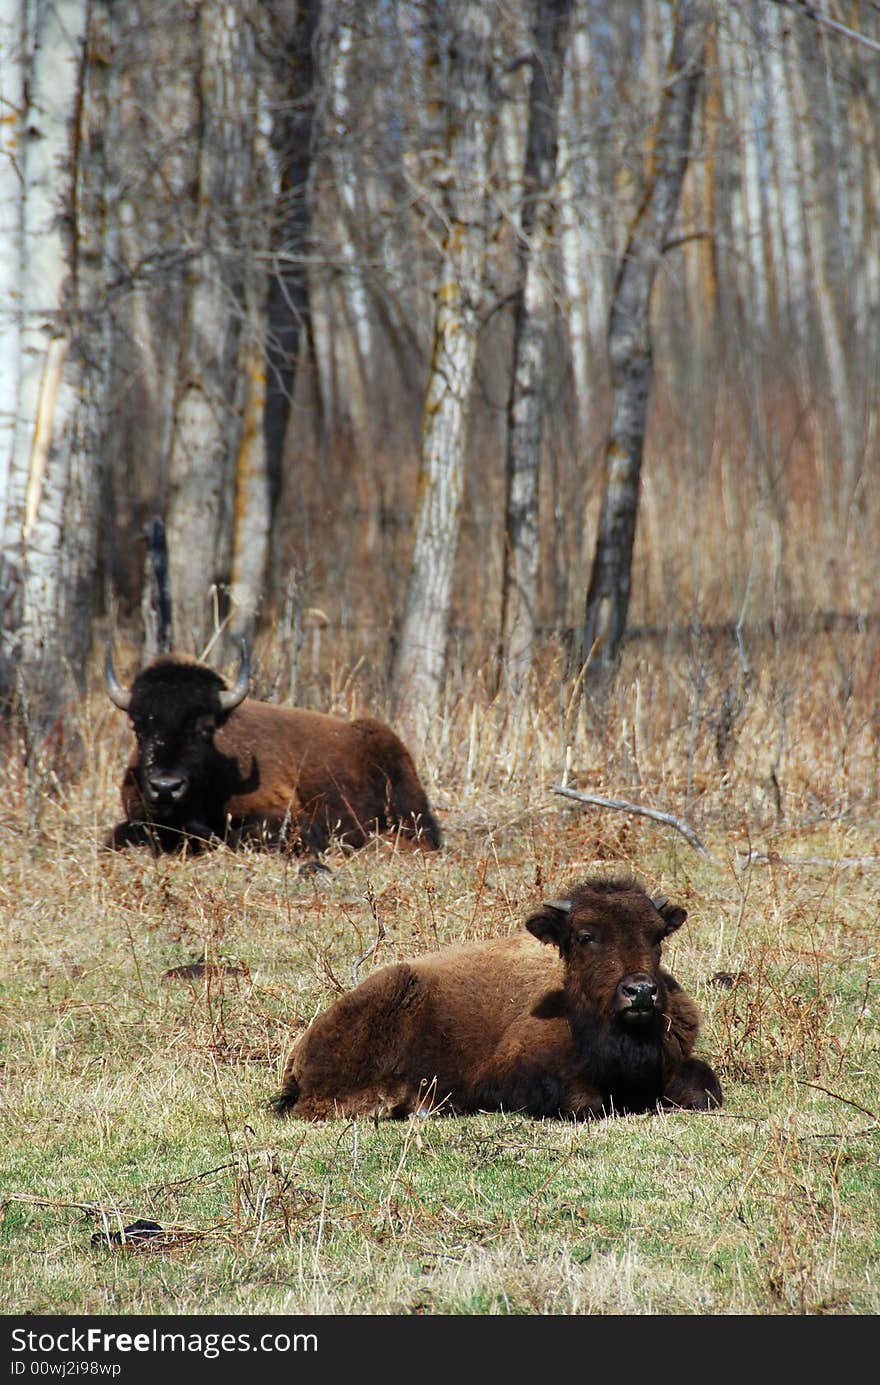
x: 213, y: 765
x: 574, y: 1018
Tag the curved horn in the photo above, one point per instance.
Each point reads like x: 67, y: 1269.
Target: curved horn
x: 563, y: 905
x: 659, y: 902
x: 231, y: 697
x: 118, y: 695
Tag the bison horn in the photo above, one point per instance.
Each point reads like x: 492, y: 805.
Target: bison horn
x: 563, y: 905
x: 117, y: 692
x: 231, y: 697
x: 660, y: 902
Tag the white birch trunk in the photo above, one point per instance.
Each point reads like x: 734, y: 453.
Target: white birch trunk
x: 49, y: 456
x: 421, y: 653
x: 13, y: 70
x: 583, y: 236
x: 357, y: 360
x: 207, y: 417
x: 795, y: 271
x: 840, y: 490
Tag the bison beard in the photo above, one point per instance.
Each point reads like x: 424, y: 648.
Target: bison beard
x: 212, y: 765
x: 590, y: 1026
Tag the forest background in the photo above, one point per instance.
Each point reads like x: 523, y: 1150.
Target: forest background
x: 400, y: 315
x: 347, y: 294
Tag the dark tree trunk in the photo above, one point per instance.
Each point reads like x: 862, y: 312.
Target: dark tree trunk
x: 629, y: 342
x: 288, y: 303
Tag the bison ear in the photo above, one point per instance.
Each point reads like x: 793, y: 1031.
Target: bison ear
x: 672, y: 915
x: 551, y: 923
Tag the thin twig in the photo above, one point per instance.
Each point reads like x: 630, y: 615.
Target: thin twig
x: 621, y: 805
x: 380, y: 934
x: 865, y: 1110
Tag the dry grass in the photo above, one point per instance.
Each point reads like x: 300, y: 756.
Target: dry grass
x: 134, y: 1090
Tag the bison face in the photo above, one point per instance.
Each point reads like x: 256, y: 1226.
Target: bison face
x: 175, y: 708
x: 172, y: 756
x: 610, y: 939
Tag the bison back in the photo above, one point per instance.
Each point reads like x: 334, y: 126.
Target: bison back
x: 425, y: 1033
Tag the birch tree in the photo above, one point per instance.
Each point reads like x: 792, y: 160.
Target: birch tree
x: 13, y: 73
x: 629, y: 340
x: 48, y: 558
x: 419, y: 661
x: 840, y: 489
x: 532, y: 307
x: 213, y: 374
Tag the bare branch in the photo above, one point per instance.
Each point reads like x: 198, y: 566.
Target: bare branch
x: 380, y: 934
x: 622, y: 805
x: 773, y: 858
x: 810, y: 12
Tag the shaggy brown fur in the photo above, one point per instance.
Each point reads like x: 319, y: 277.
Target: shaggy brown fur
x: 279, y: 776
x: 587, y: 1027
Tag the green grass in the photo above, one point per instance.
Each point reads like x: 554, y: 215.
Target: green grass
x: 128, y: 1094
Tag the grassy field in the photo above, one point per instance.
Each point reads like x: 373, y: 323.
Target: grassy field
x: 133, y: 1092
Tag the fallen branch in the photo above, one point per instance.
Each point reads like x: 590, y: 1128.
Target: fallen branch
x: 773, y: 858
x: 621, y: 805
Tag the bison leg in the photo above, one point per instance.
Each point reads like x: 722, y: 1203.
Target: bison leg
x: 126, y: 834
x: 297, y: 838
x: 355, y: 1059
x: 692, y: 1087
x: 395, y: 1103
x: 193, y: 837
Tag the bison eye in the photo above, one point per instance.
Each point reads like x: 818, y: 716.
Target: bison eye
x: 582, y: 936
x: 205, y: 727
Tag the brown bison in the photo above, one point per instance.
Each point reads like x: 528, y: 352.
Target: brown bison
x: 588, y: 1027
x: 213, y: 765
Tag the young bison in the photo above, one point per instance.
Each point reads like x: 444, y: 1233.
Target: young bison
x: 213, y: 765
x: 590, y: 1026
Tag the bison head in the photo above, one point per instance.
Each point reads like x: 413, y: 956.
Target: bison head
x: 175, y: 706
x: 609, y: 934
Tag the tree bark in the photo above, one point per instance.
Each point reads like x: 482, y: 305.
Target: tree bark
x: 584, y: 236
x: 48, y: 561
x: 13, y: 103
x: 840, y: 487
x: 294, y: 30
x: 419, y: 661
x: 210, y: 402
x: 532, y: 309
x: 629, y: 343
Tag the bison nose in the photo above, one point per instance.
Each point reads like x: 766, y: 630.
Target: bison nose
x: 638, y: 993
x: 166, y: 786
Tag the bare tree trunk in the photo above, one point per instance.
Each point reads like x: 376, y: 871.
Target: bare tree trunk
x: 583, y: 235
x: 533, y: 305
x: 294, y: 26
x: 341, y: 136
x: 257, y: 477
x: 629, y: 342
x: 841, y: 488
x: 49, y: 551
x: 419, y: 661
x: 795, y: 279
x: 207, y: 416
x: 13, y: 102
